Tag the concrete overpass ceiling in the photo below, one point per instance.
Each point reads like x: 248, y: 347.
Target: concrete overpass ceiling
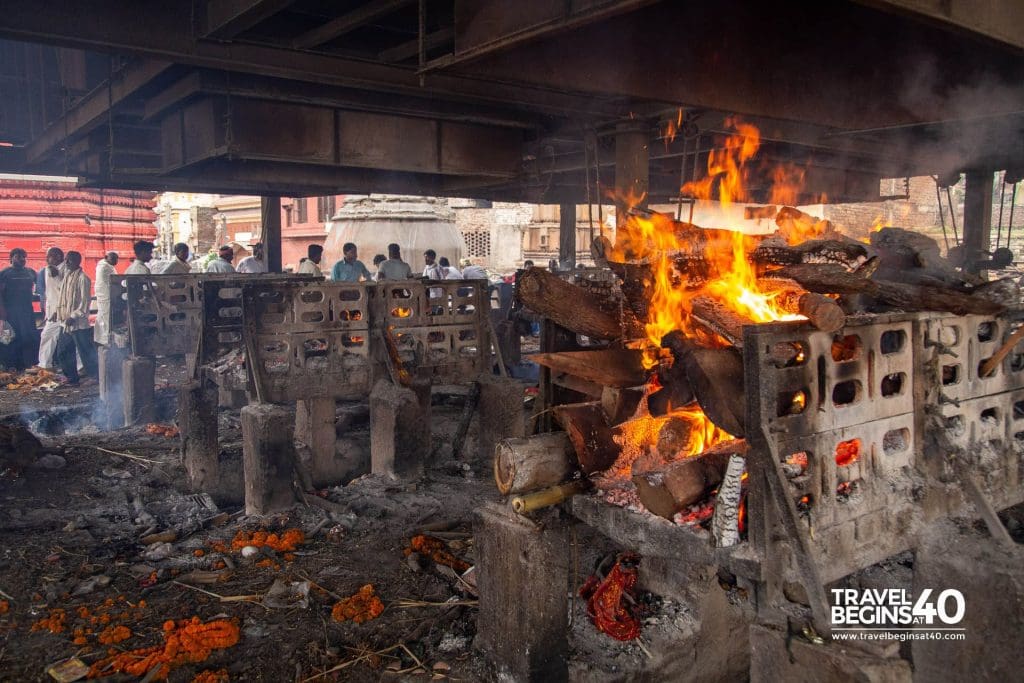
x: 495, y: 99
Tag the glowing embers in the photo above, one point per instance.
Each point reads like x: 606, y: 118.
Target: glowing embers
x: 795, y: 464
x: 792, y: 402
x: 846, y: 349
x: 847, y: 490
x: 847, y: 452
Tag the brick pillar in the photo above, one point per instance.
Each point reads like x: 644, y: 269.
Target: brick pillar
x: 110, y: 363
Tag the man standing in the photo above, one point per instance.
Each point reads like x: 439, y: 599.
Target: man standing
x: 450, y: 271
x: 254, y: 263
x: 394, y: 268
x: 104, y: 269
x: 179, y: 265
x: 16, y: 283
x: 431, y: 269
x: 311, y: 266
x: 222, y: 264
x: 143, y: 255
x: 52, y: 276
x: 350, y: 268
x: 72, y: 314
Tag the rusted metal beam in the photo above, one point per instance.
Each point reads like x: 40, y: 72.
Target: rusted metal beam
x: 115, y: 26
x: 228, y: 18
x: 484, y: 27
x: 411, y: 48
x: 346, y: 23
x: 92, y: 110
x: 1000, y: 20
x: 306, y: 134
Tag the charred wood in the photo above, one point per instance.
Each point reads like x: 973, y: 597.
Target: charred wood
x: 590, y: 433
x: 686, y: 481
x: 909, y: 297
x: 608, y: 367
x: 568, y: 305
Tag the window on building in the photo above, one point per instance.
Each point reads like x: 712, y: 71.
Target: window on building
x: 299, y: 214
x: 325, y: 207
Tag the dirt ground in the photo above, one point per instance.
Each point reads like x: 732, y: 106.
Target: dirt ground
x: 70, y: 539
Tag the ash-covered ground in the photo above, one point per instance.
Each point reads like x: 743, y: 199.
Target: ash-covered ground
x: 80, y: 538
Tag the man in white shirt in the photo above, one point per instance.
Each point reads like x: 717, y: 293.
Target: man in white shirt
x: 311, y: 266
x: 179, y: 265
x: 222, y: 264
x: 143, y: 255
x: 104, y: 269
x: 254, y: 263
x: 53, y: 276
x: 450, y: 271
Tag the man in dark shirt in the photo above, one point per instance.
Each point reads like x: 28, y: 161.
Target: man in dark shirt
x: 16, y: 283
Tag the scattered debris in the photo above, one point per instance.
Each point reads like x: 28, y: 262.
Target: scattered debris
x: 68, y: 671
x: 436, y: 550
x: 33, y: 379
x: 287, y: 594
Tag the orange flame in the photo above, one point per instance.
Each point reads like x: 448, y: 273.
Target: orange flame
x: 726, y: 166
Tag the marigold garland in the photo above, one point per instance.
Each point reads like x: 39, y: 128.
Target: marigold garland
x: 361, y: 607
x: 436, y: 550
x: 188, y: 641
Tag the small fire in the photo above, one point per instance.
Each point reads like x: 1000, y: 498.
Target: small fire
x: 401, y: 312
x: 640, y: 435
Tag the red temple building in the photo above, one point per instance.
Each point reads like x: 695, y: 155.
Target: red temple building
x: 43, y: 212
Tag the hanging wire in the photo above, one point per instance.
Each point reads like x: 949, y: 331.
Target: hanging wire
x: 110, y: 120
x: 682, y: 179
x: 597, y: 179
x: 1013, y: 202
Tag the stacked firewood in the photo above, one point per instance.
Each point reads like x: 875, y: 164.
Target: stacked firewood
x: 824, y: 278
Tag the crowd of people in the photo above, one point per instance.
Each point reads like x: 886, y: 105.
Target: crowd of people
x: 68, y: 340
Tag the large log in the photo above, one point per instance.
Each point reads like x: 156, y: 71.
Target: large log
x: 568, y: 305
x: 533, y: 463
x: 590, y: 434
x: 607, y: 367
x: 685, y: 482
x: 822, y: 312
x: 716, y: 378
x: 831, y: 279
x: 718, y: 318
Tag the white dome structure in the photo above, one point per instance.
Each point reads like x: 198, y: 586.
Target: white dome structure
x: 374, y: 221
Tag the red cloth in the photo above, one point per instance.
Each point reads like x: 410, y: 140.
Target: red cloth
x: 605, y: 604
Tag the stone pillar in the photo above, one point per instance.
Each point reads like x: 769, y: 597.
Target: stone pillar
x: 232, y: 399
x: 399, y: 429
x: 977, y: 217
x: 566, y: 236
x: 200, y: 449
x: 314, y: 426
x: 522, y: 577
x: 991, y: 580
x: 270, y: 217
x: 138, y: 384
x: 110, y: 361
x: 268, y: 452
x: 500, y: 413
x: 632, y: 171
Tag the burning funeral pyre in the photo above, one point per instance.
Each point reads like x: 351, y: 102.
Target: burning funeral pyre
x: 668, y: 433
